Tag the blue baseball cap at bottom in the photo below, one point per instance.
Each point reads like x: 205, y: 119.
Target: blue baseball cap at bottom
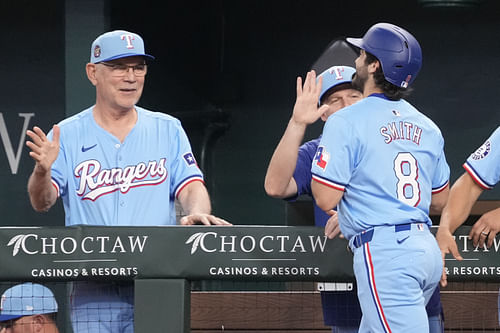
x: 26, y: 299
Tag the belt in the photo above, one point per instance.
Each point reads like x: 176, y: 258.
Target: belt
x: 367, y: 235
x: 362, y: 238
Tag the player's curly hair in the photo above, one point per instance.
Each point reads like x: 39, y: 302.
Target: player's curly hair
x: 392, y: 92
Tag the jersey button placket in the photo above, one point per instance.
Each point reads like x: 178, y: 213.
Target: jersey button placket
x: 120, y: 197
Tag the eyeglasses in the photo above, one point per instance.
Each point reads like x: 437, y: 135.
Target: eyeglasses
x: 119, y: 70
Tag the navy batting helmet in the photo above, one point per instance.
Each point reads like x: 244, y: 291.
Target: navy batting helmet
x: 397, y: 50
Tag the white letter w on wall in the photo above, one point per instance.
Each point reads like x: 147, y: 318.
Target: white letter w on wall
x: 9, y: 150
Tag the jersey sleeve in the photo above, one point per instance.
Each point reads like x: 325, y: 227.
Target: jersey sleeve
x: 302, y: 174
x: 442, y: 173
x: 337, y: 140
x: 59, y: 168
x: 483, y: 165
x: 184, y: 168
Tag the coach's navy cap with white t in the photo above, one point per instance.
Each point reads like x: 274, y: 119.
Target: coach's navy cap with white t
x: 117, y: 44
x: 26, y: 299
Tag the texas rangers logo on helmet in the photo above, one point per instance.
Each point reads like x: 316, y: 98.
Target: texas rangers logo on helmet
x: 322, y: 157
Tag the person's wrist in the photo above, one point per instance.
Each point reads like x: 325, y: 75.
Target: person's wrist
x: 297, y: 123
x: 40, y: 170
x: 444, y: 230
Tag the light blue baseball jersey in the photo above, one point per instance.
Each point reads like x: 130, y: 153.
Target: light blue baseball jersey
x: 484, y: 164
x: 389, y: 160
x: 103, y: 181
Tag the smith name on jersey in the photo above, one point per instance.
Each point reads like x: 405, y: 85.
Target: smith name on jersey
x: 387, y: 158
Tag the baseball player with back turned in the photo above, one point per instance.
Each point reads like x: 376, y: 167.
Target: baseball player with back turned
x: 289, y: 176
x: 116, y: 164
x: 387, y: 169
x: 289, y: 173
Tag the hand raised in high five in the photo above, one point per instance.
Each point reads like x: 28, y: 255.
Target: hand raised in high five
x: 306, y: 109
x: 43, y: 151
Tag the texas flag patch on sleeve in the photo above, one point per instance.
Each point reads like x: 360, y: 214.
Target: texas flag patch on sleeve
x: 189, y: 159
x: 322, y: 157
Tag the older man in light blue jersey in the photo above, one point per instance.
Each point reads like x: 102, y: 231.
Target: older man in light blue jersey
x: 116, y: 164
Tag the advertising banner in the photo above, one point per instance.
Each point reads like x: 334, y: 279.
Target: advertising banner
x: 200, y: 253
x: 244, y: 253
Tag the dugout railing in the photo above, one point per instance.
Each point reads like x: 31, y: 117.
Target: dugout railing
x: 163, y: 261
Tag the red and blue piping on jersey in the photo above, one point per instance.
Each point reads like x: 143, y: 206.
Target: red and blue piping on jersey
x: 328, y: 183
x: 440, y: 188
x: 56, y: 186
x: 470, y: 170
x: 373, y: 287
x: 186, y: 182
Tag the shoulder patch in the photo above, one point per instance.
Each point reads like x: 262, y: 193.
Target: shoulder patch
x: 482, y: 151
x: 189, y: 159
x: 322, y: 157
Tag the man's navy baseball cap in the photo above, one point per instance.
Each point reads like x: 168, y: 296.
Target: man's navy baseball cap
x: 26, y: 299
x: 117, y: 44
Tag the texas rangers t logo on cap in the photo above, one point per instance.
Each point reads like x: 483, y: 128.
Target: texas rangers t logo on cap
x: 337, y: 71
x: 117, y: 44
x: 129, y: 38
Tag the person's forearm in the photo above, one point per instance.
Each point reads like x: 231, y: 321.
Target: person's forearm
x: 463, y: 195
x: 326, y: 198
x: 194, y: 199
x: 284, y: 160
x: 439, y: 200
x: 41, y: 192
